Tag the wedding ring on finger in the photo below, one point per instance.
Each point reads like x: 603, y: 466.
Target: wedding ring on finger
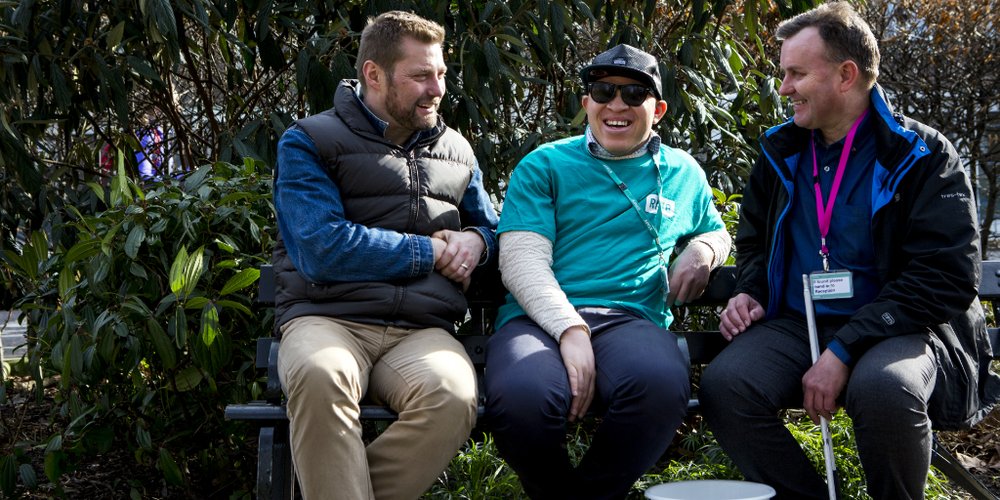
x: 464, y: 266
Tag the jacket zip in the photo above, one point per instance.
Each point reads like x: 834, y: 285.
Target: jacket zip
x: 902, y: 168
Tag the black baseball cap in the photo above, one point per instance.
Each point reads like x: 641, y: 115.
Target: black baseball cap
x: 624, y: 60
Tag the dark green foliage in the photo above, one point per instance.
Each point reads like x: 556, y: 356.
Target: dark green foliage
x: 138, y: 297
x: 145, y: 322
x: 224, y: 79
x: 477, y: 472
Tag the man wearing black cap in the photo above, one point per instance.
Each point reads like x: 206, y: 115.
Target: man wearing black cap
x: 588, y: 236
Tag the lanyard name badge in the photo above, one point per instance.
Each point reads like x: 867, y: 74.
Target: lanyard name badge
x: 827, y: 284
x: 665, y: 282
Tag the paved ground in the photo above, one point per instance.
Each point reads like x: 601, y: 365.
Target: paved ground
x: 11, y: 335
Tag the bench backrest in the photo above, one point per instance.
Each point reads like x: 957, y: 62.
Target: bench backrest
x: 718, y: 291
x: 485, y: 296
x: 702, y: 346
x: 989, y: 290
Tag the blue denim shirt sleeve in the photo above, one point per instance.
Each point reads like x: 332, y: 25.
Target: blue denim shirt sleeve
x: 479, y: 215
x: 323, y: 245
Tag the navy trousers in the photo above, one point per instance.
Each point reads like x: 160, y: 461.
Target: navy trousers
x: 641, y: 395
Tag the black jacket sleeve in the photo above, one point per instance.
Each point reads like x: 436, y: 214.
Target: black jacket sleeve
x: 927, y: 245
x: 755, y: 230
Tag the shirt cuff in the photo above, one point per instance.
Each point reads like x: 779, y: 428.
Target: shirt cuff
x: 718, y: 241
x: 557, y: 328
x: 840, y: 351
x: 423, y: 253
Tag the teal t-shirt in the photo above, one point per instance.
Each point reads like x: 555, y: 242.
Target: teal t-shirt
x: 603, y: 255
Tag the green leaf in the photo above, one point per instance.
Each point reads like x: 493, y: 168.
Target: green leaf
x: 196, y: 303
x: 226, y: 264
x: 736, y: 61
x: 209, y: 324
x: 165, y: 304
x: 8, y: 475
x: 137, y: 305
x: 83, y: 249
x: 134, y: 240
x: 101, y: 268
x: 106, y: 347
x: 242, y: 280
x: 76, y: 356
x: 162, y: 343
x: 53, y: 467
x: 98, y: 190
x: 101, y: 438
x: 143, y: 438
x: 168, y: 466
x: 686, y: 56
x: 54, y: 443
x: 176, y: 275
x: 108, y: 240
x: 59, y: 88
x: 231, y: 304
x: 138, y: 271
x: 22, y: 263
x: 180, y: 327
x: 163, y: 23
x: 188, y: 379
x: 115, y: 36
x: 119, y: 182
x: 492, y: 56
x: 231, y: 198
x: 193, y: 268
x: 40, y: 244
x: 242, y: 148
x: 195, y: 180
x: 512, y: 39
x: 28, y: 477
x: 67, y: 280
x: 143, y: 69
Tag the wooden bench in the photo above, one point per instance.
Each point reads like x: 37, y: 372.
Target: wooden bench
x: 275, y: 472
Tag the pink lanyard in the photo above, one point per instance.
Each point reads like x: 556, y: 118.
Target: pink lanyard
x: 825, y: 213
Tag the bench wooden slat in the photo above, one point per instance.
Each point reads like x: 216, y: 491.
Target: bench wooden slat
x: 265, y: 286
x: 259, y: 412
x: 989, y: 284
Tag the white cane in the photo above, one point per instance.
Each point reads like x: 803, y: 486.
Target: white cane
x: 831, y: 465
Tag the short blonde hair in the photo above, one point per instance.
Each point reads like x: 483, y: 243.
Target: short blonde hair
x: 383, y: 35
x: 845, y: 32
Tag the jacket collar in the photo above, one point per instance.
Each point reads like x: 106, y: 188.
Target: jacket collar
x: 893, y: 142
x: 348, y: 105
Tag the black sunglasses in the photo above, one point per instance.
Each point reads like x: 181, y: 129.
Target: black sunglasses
x: 633, y: 94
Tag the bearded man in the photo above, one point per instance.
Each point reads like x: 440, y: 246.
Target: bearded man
x: 382, y: 217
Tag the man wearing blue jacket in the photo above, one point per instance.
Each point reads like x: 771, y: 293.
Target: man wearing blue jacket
x: 382, y: 217
x: 877, y: 209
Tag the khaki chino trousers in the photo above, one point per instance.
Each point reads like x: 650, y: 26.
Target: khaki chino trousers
x: 327, y: 366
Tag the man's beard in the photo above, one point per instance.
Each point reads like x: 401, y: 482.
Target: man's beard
x: 406, y: 115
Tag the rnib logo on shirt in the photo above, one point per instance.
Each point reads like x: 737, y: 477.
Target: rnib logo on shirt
x: 654, y: 203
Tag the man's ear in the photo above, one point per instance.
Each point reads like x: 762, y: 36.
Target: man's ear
x: 659, y: 111
x: 849, y: 74
x: 374, y: 75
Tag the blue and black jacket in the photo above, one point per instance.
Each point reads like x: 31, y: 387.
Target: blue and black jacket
x: 925, y: 233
